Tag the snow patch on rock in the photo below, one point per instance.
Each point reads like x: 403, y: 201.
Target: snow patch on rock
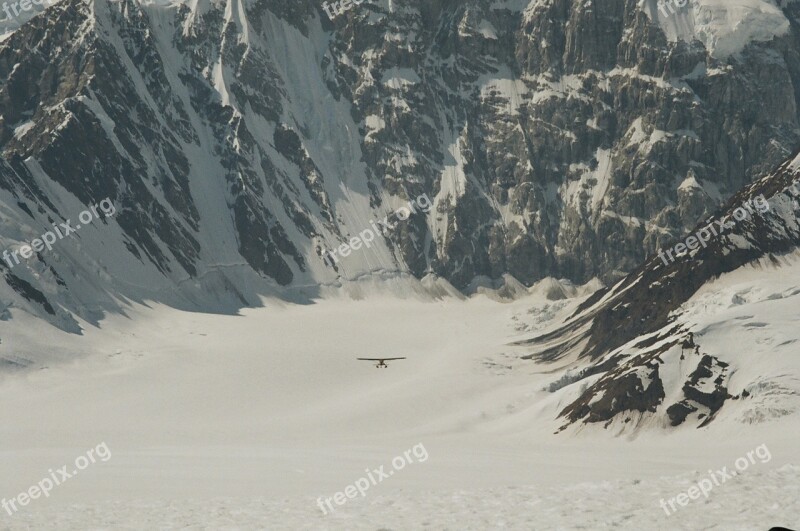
x: 725, y: 28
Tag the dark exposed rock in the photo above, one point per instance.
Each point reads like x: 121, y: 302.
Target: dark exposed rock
x: 29, y: 292
x: 709, y: 368
x: 620, y: 390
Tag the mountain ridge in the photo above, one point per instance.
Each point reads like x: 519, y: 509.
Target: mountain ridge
x: 240, y: 140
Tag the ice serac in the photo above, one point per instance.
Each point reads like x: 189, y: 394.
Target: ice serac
x: 678, y: 341
x: 239, y: 140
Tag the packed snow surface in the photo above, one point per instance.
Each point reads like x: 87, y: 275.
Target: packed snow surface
x: 244, y: 421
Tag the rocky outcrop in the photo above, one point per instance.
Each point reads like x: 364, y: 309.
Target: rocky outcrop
x: 634, y: 331
x: 617, y: 392
x: 705, y: 388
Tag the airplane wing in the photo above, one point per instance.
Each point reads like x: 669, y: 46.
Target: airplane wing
x: 388, y: 359
x: 370, y: 359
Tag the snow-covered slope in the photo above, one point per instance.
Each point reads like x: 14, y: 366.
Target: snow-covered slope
x: 709, y: 335
x: 238, y: 140
x: 724, y: 27
x: 244, y: 421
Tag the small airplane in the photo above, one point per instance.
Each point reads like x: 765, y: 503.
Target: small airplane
x: 381, y: 361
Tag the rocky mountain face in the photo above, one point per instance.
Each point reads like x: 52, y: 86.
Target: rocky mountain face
x: 568, y: 139
x: 240, y: 140
x: 628, y: 337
